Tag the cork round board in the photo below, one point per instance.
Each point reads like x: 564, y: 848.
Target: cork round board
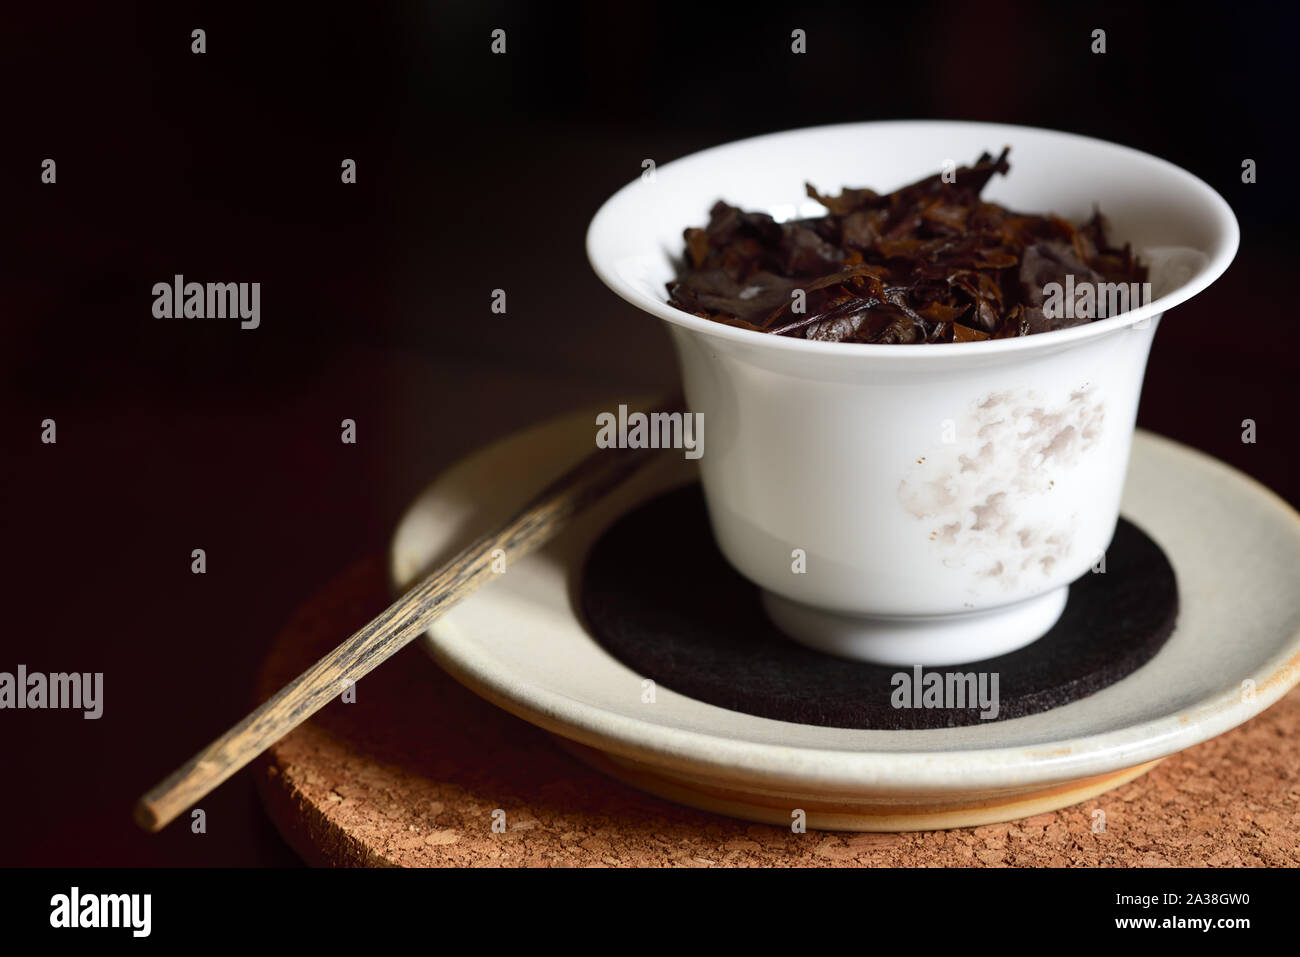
x: 413, y: 772
x: 417, y: 770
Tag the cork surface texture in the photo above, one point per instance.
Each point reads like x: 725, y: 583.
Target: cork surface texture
x: 414, y: 772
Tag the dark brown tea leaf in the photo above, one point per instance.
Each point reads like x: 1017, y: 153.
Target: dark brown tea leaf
x: 931, y: 262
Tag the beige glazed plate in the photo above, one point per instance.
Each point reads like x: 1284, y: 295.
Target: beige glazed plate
x: 521, y: 644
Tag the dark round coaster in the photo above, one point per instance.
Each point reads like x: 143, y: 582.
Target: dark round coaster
x: 658, y: 596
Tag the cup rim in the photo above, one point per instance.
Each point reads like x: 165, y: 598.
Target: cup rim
x: 1224, y: 249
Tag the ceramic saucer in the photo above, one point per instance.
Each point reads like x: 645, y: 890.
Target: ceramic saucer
x: 520, y: 643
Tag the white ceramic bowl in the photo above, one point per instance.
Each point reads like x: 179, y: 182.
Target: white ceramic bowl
x: 939, y: 498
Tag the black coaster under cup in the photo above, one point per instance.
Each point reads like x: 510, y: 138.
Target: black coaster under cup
x: 658, y: 596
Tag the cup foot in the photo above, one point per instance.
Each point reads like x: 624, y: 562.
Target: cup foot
x: 928, y: 640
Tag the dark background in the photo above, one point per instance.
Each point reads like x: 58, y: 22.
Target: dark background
x: 475, y: 172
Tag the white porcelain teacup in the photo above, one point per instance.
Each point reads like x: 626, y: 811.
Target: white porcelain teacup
x: 916, y: 504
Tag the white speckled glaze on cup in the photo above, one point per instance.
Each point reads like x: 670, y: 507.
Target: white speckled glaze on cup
x: 944, y: 496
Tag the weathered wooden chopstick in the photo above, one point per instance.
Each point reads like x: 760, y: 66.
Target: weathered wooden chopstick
x: 537, y: 522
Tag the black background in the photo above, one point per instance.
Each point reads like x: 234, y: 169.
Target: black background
x: 475, y: 172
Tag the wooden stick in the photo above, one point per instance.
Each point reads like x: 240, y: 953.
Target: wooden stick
x: 539, y: 521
